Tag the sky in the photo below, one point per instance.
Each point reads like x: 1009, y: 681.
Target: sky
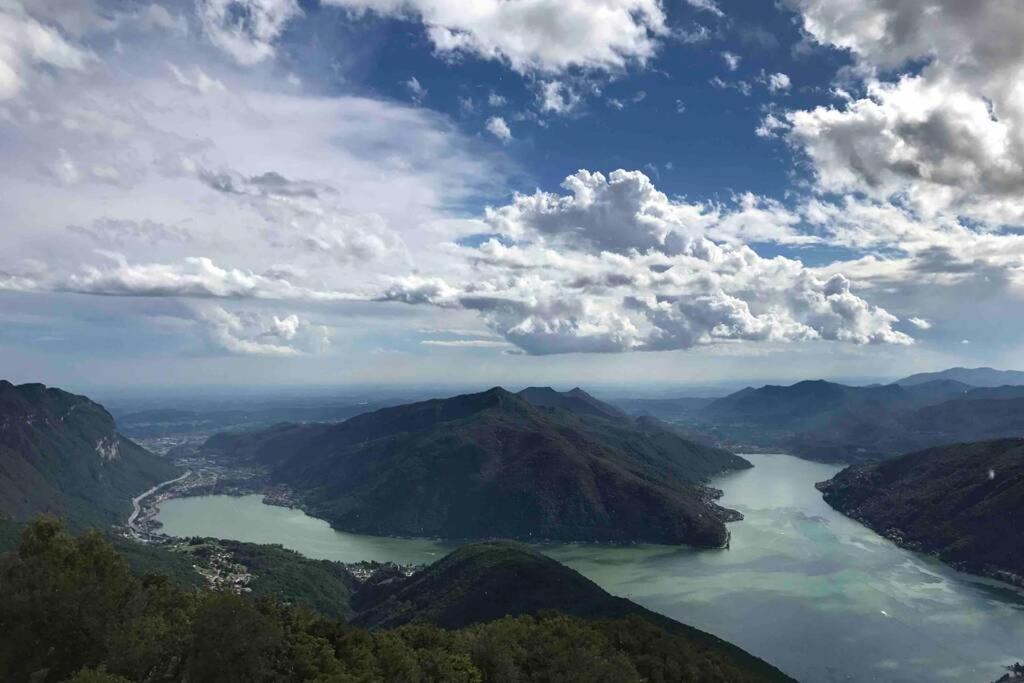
x: 360, y: 192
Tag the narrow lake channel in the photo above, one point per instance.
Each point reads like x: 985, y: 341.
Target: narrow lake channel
x: 817, y: 594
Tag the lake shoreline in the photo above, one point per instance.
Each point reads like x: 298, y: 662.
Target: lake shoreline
x: 799, y: 578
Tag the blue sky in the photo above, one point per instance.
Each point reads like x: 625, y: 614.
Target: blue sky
x: 246, y: 192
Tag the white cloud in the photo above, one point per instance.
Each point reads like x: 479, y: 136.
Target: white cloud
x: 557, y: 97
x: 497, y: 127
x: 707, y: 6
x: 247, y: 30
x: 197, y: 277
x: 536, y: 35
x: 920, y: 323
x: 769, y: 127
x: 616, y: 265
x: 741, y: 86
x: 26, y: 44
x: 732, y: 60
x: 778, y: 82
x: 948, y: 136
x: 255, y: 334
x: 416, y: 89
x: 496, y: 100
x: 198, y: 82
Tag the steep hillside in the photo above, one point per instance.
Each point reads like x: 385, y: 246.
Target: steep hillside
x: 71, y: 610
x: 481, y: 582
x: 493, y: 465
x: 962, y: 502
x: 60, y: 453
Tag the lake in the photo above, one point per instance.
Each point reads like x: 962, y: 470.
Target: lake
x: 816, y: 594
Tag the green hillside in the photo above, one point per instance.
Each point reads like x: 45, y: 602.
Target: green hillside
x: 493, y: 465
x: 962, y: 502
x: 60, y: 453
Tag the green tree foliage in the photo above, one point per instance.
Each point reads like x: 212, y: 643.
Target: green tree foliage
x: 70, y: 610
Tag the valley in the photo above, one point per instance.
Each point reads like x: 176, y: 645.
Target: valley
x: 797, y: 571
x: 339, y: 516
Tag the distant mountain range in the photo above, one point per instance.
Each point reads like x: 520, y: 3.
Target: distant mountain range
x: 60, y: 453
x: 162, y: 422
x: 963, y: 503
x: 827, y: 421
x: 496, y: 464
x: 976, y: 377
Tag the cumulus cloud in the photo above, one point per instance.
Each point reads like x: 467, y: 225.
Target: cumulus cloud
x: 920, y: 323
x: 247, y: 30
x: 497, y: 127
x: 252, y: 333
x: 949, y: 135
x: 778, y: 82
x: 536, y: 35
x: 616, y: 265
x: 557, y: 97
x: 732, y: 60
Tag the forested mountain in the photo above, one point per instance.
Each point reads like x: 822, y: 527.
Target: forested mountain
x: 60, y: 453
x: 493, y: 464
x: 976, y: 377
x: 962, y: 502
x: 72, y: 611
x: 481, y: 582
x: 827, y: 421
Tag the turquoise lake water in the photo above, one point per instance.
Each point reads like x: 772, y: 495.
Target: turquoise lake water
x: 816, y: 594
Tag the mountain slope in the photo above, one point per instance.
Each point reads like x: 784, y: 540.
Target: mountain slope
x: 644, y: 438
x: 481, y: 582
x: 962, y: 502
x: 491, y: 464
x: 60, y: 453
x: 977, y: 377
x: 71, y: 610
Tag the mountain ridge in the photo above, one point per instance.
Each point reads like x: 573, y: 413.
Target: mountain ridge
x: 61, y: 453
x: 494, y: 465
x: 978, y: 377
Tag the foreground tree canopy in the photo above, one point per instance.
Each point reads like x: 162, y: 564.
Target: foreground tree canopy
x: 70, y: 610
